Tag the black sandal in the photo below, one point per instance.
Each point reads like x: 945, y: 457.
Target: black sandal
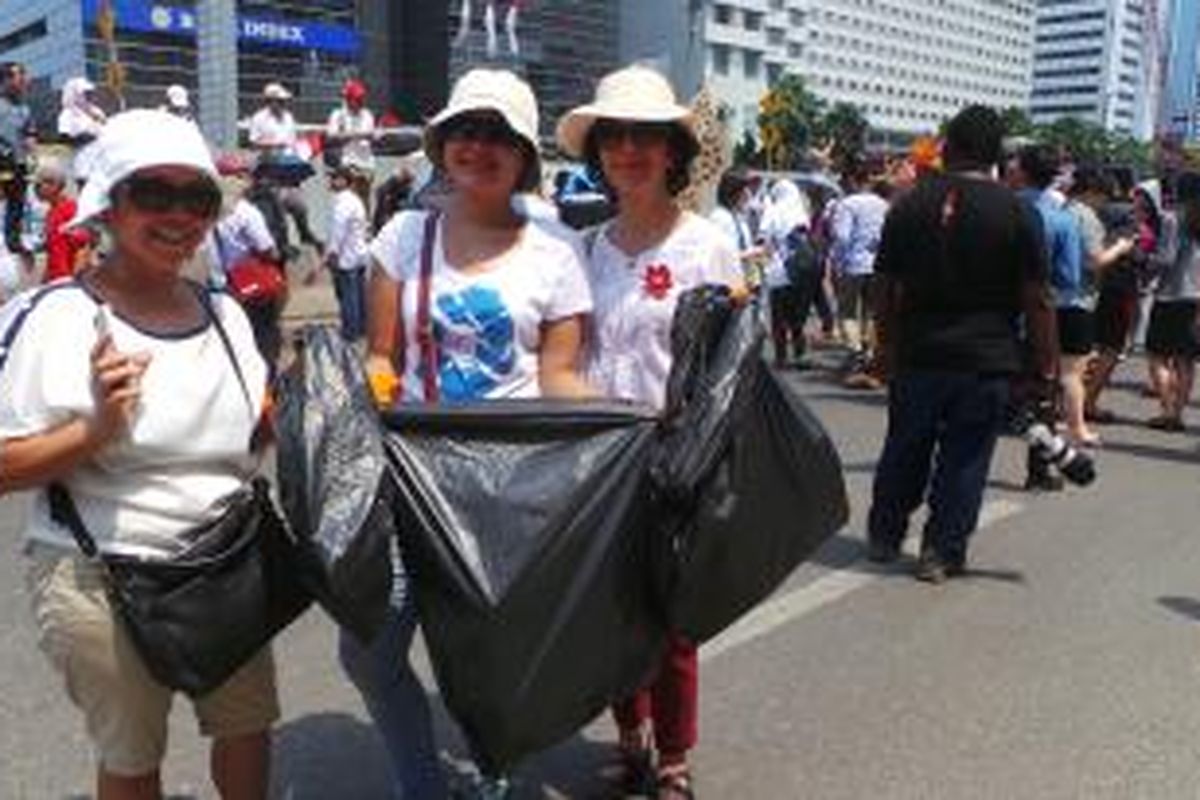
x: 675, y: 783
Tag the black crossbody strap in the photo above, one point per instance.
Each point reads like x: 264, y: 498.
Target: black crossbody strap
x: 65, y: 513
x: 202, y: 295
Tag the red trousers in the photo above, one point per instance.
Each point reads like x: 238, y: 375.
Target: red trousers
x: 671, y: 700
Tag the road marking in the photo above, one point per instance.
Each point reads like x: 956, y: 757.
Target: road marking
x: 781, y: 610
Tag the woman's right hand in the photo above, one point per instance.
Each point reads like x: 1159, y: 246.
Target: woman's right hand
x: 117, y: 387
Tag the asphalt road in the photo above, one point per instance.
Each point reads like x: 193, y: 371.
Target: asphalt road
x: 1065, y: 666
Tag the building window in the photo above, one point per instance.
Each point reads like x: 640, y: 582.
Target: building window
x: 775, y: 37
x: 754, y: 20
x: 723, y: 14
x: 752, y: 62
x: 720, y: 59
x: 774, y: 73
x: 23, y: 36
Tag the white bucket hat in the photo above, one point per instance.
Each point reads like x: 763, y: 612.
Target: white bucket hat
x: 636, y: 94
x: 135, y: 140
x: 276, y: 91
x: 490, y: 90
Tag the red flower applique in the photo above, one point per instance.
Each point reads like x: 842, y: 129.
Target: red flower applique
x: 657, y: 281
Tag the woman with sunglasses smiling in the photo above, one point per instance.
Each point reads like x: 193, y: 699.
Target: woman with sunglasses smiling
x: 503, y: 301
x: 642, y: 141
x: 139, y: 393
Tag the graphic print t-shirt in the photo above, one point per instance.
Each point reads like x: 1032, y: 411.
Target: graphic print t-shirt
x: 486, y: 326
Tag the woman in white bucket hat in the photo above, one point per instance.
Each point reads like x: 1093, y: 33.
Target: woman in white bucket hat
x: 641, y: 140
x: 122, y: 385
x: 506, y: 301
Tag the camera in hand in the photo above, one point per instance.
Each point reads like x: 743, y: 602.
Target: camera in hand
x: 1075, y: 465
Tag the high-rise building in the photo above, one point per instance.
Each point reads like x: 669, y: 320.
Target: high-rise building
x: 1180, y: 37
x: 906, y: 64
x: 1091, y: 61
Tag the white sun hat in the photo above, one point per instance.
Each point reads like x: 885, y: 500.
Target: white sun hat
x: 136, y: 140
x: 177, y: 96
x: 276, y: 91
x: 635, y: 94
x: 489, y: 90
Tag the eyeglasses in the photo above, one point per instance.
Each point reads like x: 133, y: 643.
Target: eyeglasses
x: 609, y: 132
x: 483, y: 129
x: 200, y: 198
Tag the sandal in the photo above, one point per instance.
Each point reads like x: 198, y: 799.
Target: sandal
x: 675, y: 783
x: 632, y: 771
x: 1166, y: 423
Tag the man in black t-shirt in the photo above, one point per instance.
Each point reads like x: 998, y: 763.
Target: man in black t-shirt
x: 960, y: 263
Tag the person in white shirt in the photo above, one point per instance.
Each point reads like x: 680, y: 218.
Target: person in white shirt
x: 346, y: 254
x: 350, y: 130
x: 507, y: 301
x: 273, y: 136
x: 80, y: 122
x: 123, y: 386
x: 642, y: 141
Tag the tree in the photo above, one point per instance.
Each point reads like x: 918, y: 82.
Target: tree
x: 846, y: 128
x: 1082, y: 139
x: 789, y: 119
x: 1017, y: 122
x: 745, y: 152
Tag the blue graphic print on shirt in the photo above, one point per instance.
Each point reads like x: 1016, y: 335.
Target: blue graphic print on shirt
x: 474, y: 333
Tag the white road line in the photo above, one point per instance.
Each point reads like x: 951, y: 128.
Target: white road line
x: 777, y: 612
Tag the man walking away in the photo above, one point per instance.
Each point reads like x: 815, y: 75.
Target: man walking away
x: 960, y: 260
x: 16, y: 143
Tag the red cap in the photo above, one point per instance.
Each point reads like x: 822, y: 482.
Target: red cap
x: 354, y: 90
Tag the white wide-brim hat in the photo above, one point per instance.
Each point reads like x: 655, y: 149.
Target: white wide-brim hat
x: 494, y: 90
x: 137, y: 140
x: 635, y: 94
x: 276, y: 91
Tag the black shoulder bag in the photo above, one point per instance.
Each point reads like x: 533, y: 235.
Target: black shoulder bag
x: 197, y: 617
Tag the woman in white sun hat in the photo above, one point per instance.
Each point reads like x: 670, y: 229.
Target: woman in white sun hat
x: 139, y: 392
x: 641, y: 140
x: 506, y: 301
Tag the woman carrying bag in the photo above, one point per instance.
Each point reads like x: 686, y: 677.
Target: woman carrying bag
x: 473, y: 303
x: 642, y: 141
x: 131, y: 395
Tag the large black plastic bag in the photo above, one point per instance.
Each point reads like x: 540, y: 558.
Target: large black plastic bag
x: 335, y: 484
x: 525, y: 530
x: 751, y: 479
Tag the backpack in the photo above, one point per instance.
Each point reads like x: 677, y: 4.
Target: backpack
x: 802, y: 257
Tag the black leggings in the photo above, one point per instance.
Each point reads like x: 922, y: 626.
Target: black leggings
x: 790, y: 307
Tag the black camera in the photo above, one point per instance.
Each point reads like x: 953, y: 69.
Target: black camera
x: 1074, y: 464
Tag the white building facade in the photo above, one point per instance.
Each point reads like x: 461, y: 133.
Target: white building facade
x: 908, y: 65
x: 1091, y: 61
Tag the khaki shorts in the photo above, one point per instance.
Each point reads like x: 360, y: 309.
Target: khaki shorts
x: 125, y: 709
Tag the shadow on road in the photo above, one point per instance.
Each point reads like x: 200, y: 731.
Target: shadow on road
x: 1184, y: 606
x: 328, y: 755
x: 1155, y: 453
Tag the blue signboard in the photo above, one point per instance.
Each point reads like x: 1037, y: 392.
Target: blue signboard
x: 270, y: 31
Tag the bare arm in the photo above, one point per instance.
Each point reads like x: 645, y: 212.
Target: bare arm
x: 559, y: 359
x: 383, y: 319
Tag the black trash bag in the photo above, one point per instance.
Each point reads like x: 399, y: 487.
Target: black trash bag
x: 524, y: 528
x: 753, y: 482
x: 335, y: 483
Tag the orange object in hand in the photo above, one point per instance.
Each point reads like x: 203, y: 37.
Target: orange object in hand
x: 384, y: 386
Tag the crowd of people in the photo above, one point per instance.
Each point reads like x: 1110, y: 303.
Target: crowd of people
x: 945, y: 283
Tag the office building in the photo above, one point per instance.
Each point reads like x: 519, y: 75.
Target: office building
x: 1179, y: 39
x: 1091, y: 61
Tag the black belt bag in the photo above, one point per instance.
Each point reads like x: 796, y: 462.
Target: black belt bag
x: 197, y: 617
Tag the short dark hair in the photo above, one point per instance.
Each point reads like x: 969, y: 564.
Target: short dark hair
x: 1090, y: 178
x: 8, y: 69
x: 730, y: 188
x: 680, y: 144
x: 1040, y: 164
x: 974, y: 138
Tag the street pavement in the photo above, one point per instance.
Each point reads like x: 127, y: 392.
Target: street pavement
x: 1065, y: 666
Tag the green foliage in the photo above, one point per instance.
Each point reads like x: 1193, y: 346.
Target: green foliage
x: 1017, y: 122
x: 789, y: 120
x: 845, y: 128
x: 745, y: 152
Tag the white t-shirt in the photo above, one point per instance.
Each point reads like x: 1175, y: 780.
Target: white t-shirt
x: 635, y: 299
x: 242, y: 232
x: 488, y: 326
x: 356, y: 152
x: 348, y: 230
x: 268, y: 130
x: 188, y: 450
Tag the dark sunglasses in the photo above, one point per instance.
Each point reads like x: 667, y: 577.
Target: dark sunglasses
x: 484, y: 129
x: 200, y: 198
x: 611, y: 131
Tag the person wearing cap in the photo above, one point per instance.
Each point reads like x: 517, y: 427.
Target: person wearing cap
x: 178, y: 102
x: 273, y: 137
x: 346, y: 251
x: 80, y: 122
x: 506, y: 299
x: 122, y: 387
x: 351, y: 130
x: 641, y: 140
x: 65, y: 246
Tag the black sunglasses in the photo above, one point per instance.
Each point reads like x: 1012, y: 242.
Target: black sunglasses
x: 612, y: 131
x: 475, y: 128
x: 200, y: 197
